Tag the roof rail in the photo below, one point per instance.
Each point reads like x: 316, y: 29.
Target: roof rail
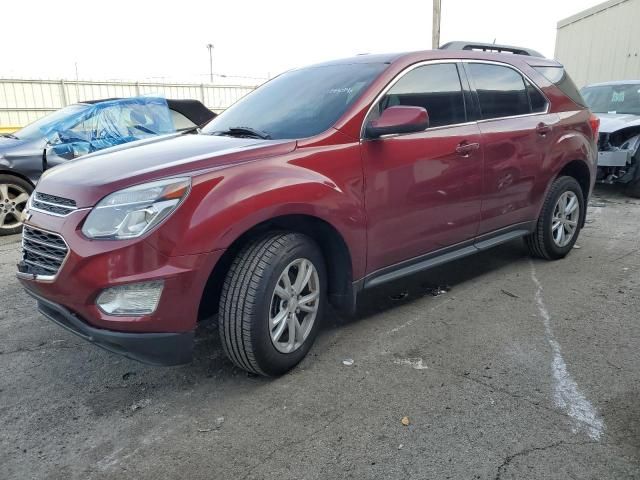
x: 490, y: 47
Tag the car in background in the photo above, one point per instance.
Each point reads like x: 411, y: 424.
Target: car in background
x: 323, y: 182
x: 617, y: 104
x: 77, y: 130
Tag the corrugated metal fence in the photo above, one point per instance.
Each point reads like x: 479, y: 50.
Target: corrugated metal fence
x: 23, y: 101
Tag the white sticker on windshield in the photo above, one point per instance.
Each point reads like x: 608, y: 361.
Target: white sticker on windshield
x: 617, y: 97
x: 348, y: 90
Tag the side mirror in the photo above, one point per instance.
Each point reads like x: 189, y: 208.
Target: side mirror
x: 398, y: 119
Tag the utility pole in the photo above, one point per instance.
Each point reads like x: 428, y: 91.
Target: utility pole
x: 210, y: 48
x: 435, y: 32
x: 77, y: 84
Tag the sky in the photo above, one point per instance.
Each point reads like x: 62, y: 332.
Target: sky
x: 166, y: 40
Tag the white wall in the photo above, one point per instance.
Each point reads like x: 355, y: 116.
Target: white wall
x: 601, y: 43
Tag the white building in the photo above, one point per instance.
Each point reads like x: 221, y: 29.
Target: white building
x: 601, y: 43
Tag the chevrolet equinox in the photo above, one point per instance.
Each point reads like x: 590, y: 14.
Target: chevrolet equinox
x: 325, y: 181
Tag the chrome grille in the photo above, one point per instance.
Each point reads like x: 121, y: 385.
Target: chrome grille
x: 42, y: 252
x: 52, y: 204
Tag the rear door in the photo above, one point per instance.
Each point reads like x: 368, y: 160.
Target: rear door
x: 516, y: 133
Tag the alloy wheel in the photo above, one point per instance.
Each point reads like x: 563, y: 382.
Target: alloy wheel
x: 566, y: 215
x: 13, y: 202
x: 294, y: 305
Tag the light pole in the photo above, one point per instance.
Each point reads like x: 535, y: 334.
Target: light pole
x: 210, y: 48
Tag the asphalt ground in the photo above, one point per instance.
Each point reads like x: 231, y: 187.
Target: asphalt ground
x: 504, y: 367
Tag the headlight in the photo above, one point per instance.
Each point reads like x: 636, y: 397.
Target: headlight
x: 133, y: 211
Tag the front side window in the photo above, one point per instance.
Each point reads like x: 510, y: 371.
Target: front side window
x: 434, y: 87
x: 501, y: 91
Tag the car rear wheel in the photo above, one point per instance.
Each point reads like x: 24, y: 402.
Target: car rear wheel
x: 272, y: 303
x: 14, y: 193
x: 560, y: 221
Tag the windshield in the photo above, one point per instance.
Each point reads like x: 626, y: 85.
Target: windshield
x: 40, y: 128
x: 300, y: 103
x: 613, y: 98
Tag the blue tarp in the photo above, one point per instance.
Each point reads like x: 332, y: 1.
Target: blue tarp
x: 109, y: 123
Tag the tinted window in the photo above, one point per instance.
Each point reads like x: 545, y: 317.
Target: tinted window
x: 559, y: 77
x: 501, y: 90
x: 620, y: 98
x: 537, y: 100
x: 434, y: 87
x: 299, y: 103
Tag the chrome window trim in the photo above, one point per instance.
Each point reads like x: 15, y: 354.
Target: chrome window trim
x: 43, y: 278
x: 456, y: 61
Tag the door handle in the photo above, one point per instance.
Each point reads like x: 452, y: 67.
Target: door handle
x: 465, y: 148
x: 543, y: 129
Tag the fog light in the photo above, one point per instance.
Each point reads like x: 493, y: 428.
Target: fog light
x: 132, y: 299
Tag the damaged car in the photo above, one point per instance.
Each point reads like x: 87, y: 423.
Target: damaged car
x: 77, y: 130
x: 617, y: 104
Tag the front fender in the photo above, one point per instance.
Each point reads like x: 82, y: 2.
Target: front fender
x: 224, y: 205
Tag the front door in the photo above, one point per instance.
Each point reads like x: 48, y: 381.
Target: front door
x: 423, y: 190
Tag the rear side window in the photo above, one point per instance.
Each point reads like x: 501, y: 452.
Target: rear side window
x: 559, y: 77
x: 434, y: 87
x: 501, y: 91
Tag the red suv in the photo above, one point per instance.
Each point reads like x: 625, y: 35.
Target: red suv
x: 325, y: 181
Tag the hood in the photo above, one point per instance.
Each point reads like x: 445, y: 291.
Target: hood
x: 88, y: 179
x: 612, y: 122
x: 18, y: 147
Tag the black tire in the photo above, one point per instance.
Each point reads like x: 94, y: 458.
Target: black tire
x: 245, y: 302
x: 540, y: 243
x: 633, y: 188
x: 15, y: 186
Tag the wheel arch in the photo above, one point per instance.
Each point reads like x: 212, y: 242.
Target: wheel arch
x: 332, y: 244
x: 579, y: 170
x: 13, y: 173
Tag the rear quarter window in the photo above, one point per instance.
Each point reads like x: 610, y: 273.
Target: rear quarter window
x: 561, y: 79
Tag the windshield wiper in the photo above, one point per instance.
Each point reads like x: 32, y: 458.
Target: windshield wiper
x: 9, y: 135
x: 243, y: 132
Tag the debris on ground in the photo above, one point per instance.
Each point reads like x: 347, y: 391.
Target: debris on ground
x: 127, y: 375
x: 219, y: 422
x: 399, y: 296
x: 400, y: 446
x: 348, y: 362
x: 509, y: 294
x: 145, y: 402
x: 415, y: 363
x: 405, y: 421
x: 577, y: 246
x: 439, y: 290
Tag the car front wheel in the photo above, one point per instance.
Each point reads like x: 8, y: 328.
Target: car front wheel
x: 272, y: 303
x: 14, y: 194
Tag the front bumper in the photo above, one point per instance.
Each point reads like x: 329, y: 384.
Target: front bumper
x: 152, y: 348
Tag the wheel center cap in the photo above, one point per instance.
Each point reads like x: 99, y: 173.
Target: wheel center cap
x: 293, y: 304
